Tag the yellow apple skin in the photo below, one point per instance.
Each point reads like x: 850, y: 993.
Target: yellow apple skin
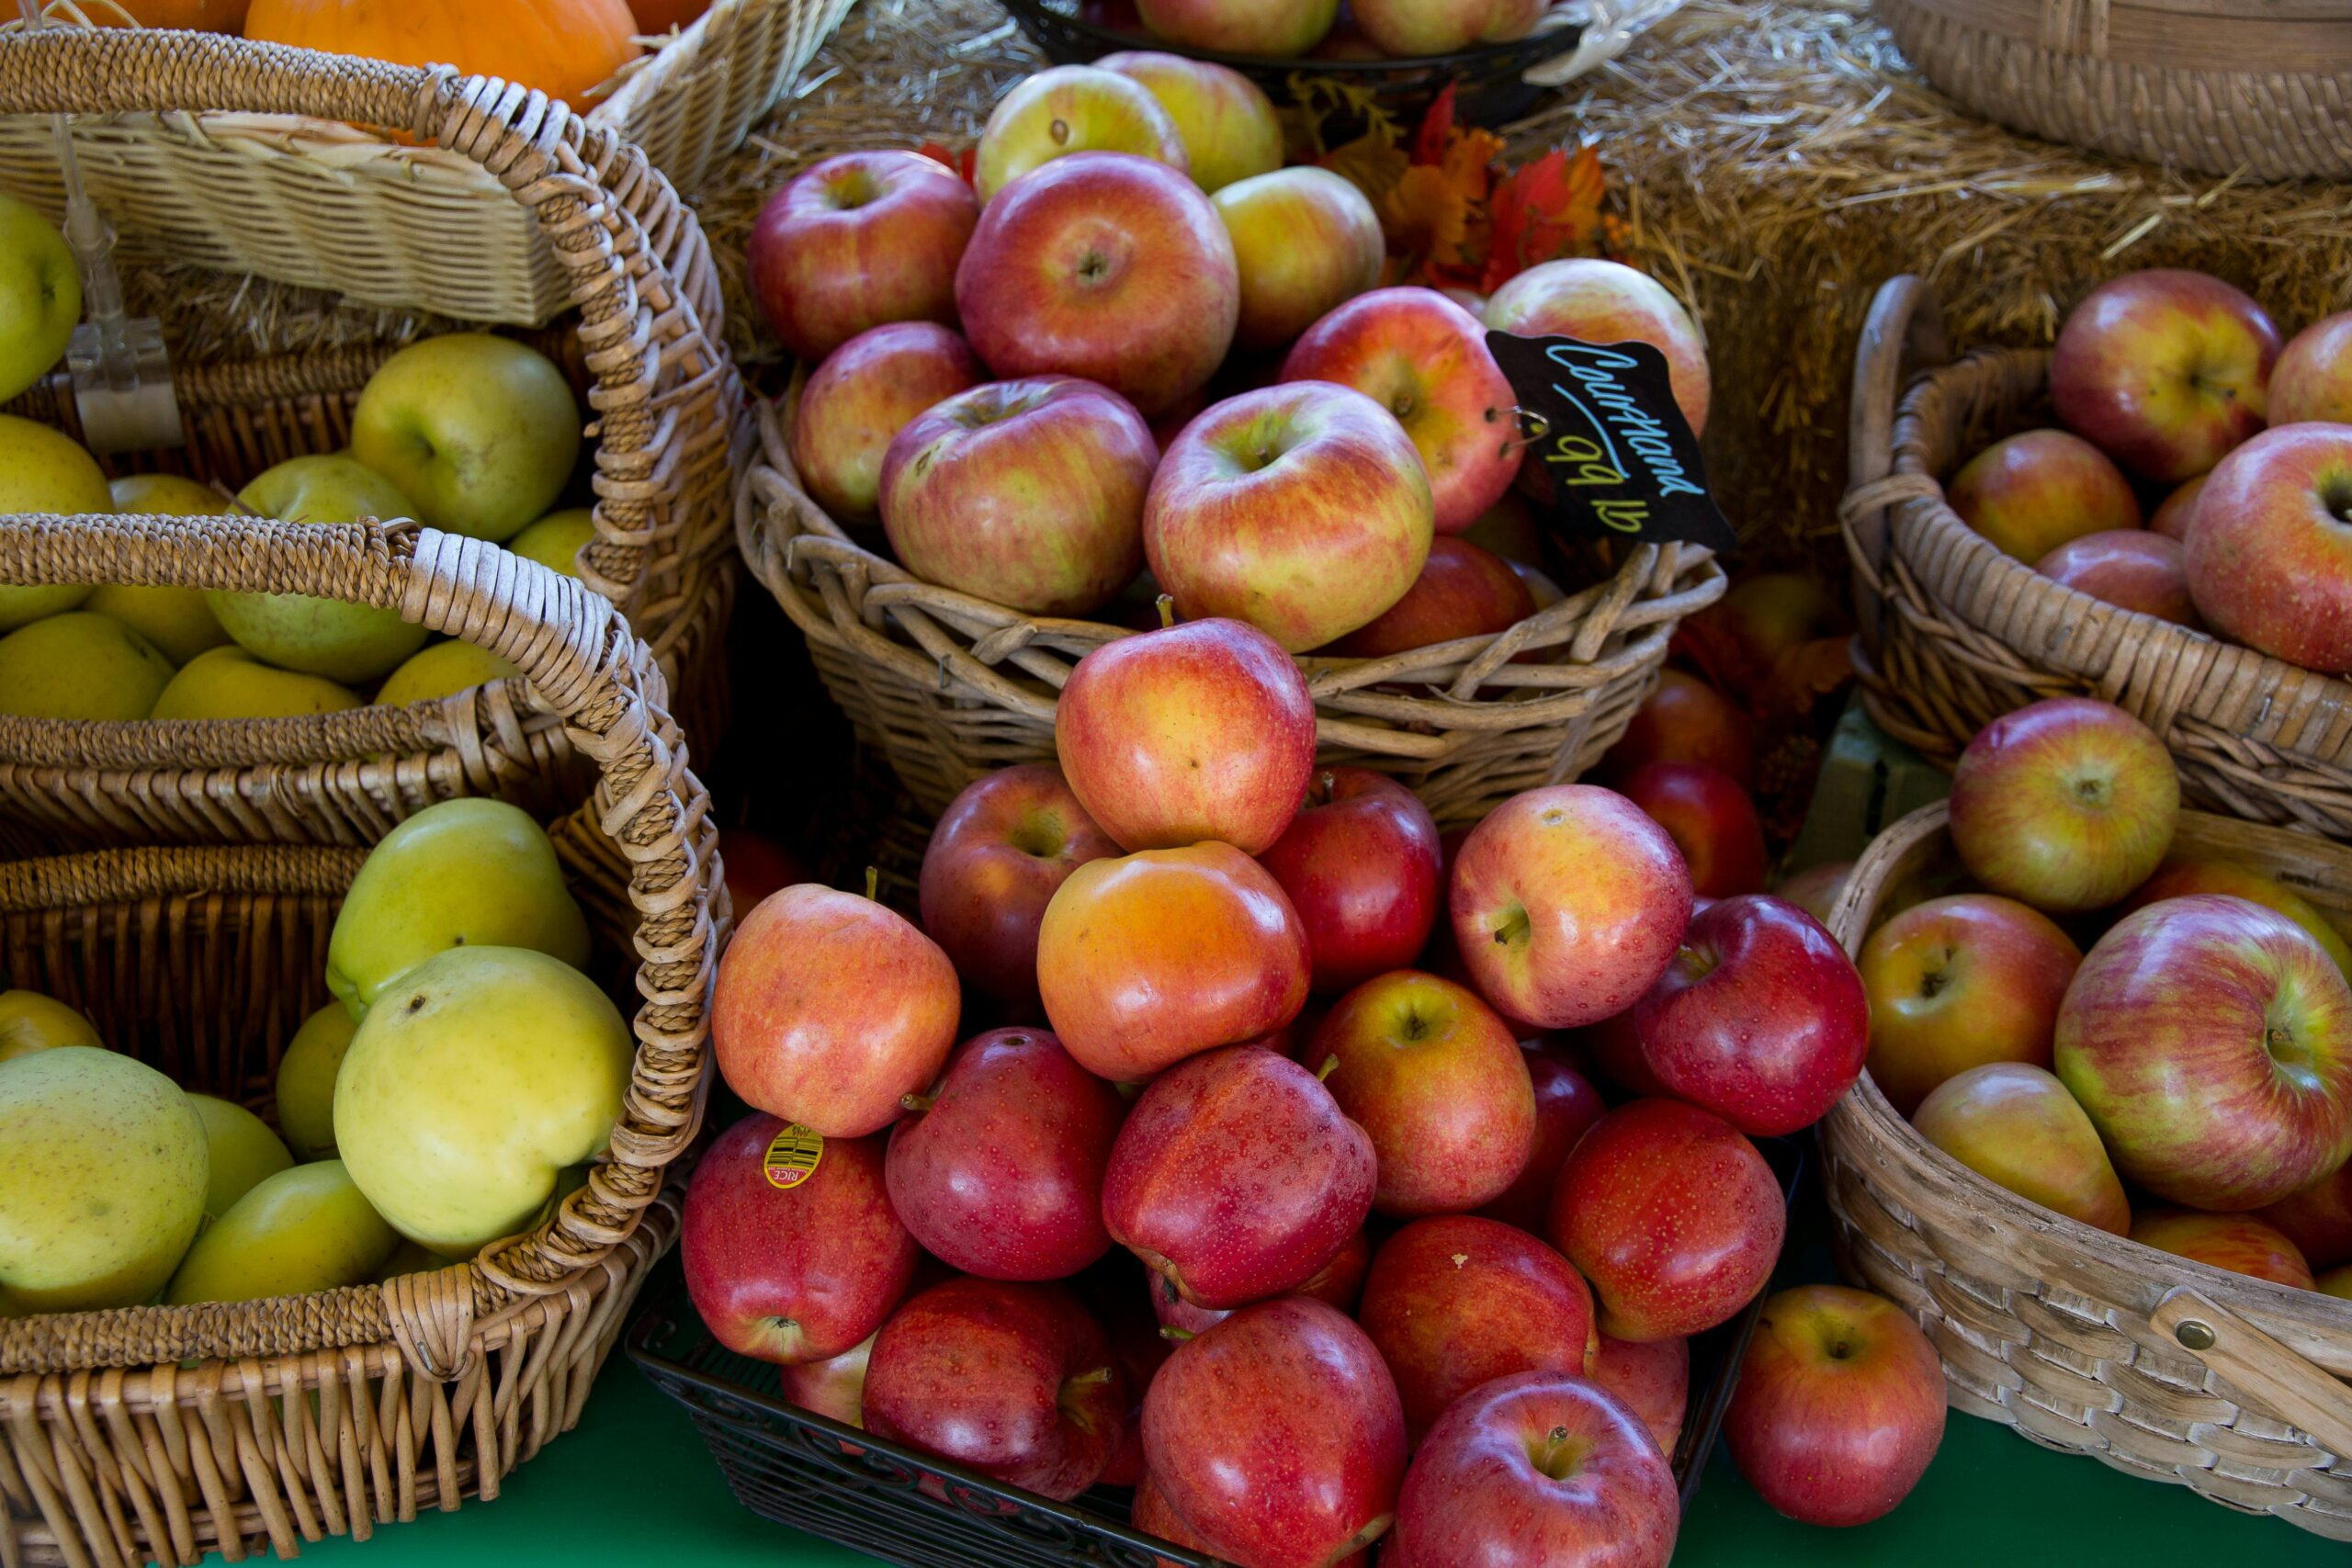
x: 40, y: 297
x: 320, y: 636
x: 176, y: 620
x: 464, y: 873
x: 443, y: 670
x: 242, y: 1153
x: 30, y: 1021
x: 554, y: 541
x: 101, y: 1181
x: 80, y: 665
x: 228, y: 683
x: 305, y: 1080
x: 43, y: 471
x: 471, y: 1085
x: 482, y: 430
x: 306, y: 1228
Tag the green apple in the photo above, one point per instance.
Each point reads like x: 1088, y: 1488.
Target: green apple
x: 228, y: 683
x: 103, y: 1165
x: 320, y: 636
x: 305, y: 1080
x: 555, y: 540
x: 442, y: 671
x: 243, y: 1153
x: 43, y: 471
x: 80, y: 665
x: 169, y: 495
x: 462, y: 872
x: 40, y: 297
x: 303, y: 1229
x: 175, y: 620
x: 30, y: 1021
x: 482, y: 430
x: 471, y: 1085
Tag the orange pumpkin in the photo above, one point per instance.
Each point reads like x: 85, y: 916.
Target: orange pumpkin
x: 655, y: 17
x: 564, y: 48
x: 195, y: 16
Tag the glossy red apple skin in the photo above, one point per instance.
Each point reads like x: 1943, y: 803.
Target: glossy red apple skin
x: 1483, y: 1491
x: 1463, y: 591
x: 2015, y: 1125
x: 1004, y: 846
x: 2312, y: 380
x: 2132, y: 569
x: 1277, y: 1436
x: 2164, y: 371
x: 857, y: 240
x: 756, y: 866
x: 793, y: 1275
x: 1672, y: 1217
x: 866, y: 392
x: 1605, y: 302
x: 1567, y: 904
x: 1615, y: 1051
x: 1338, y: 1283
x: 836, y: 1388
x: 1361, y: 866
x: 1105, y: 266
x: 2178, y: 509
x: 1566, y: 1105
x: 2318, y: 1219
x: 2268, y: 561
x: 2242, y: 1244
x: 2183, y: 875
x: 2031, y: 492
x: 1712, y: 821
x: 1957, y: 982
x: 1686, y: 721
x: 1237, y: 1177
x: 1651, y: 1378
x: 830, y: 1008
x: 1840, y: 1407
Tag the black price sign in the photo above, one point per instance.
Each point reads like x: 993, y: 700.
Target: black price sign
x: 1602, y: 420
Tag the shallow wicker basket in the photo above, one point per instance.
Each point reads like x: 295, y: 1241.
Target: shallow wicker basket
x: 2084, y: 1341
x: 292, y: 190
x: 948, y: 687
x: 2221, y: 86
x: 1953, y: 633
x: 164, y: 1432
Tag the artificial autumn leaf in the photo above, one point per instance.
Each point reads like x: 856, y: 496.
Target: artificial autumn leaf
x: 961, y: 165
x: 1540, y: 211
x: 1802, y: 675
x: 1425, y: 215
x: 1373, y: 165
x: 1437, y: 128
x: 1317, y: 99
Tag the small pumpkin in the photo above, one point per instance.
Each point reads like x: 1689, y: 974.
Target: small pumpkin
x: 194, y: 16
x: 655, y: 17
x: 564, y: 48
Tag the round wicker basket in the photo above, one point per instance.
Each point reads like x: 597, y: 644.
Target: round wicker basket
x: 2081, y: 1340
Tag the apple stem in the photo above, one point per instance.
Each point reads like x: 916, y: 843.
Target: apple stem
x: 1330, y: 783
x: 917, y: 1103
x: 1176, y: 1335
x: 1330, y: 1065
x: 1166, y: 605
x: 1087, y: 1378
x: 873, y: 880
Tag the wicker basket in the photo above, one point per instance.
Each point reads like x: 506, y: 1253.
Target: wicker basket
x: 2257, y: 87
x: 284, y: 185
x: 1953, y: 633
x: 2084, y: 1341
x: 948, y: 687
x: 164, y: 1432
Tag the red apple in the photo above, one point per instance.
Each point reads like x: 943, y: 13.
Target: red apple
x: 2067, y: 804
x: 1686, y: 721
x: 2268, y: 561
x: 1015, y: 1380
x: 1106, y: 266
x: 1671, y: 1214
x: 756, y: 866
x: 1652, y: 1379
x: 1277, y: 1436
x: 1005, y: 845
x: 1153, y: 1517
x: 1240, y: 26
x: 1193, y: 732
x: 1226, y: 123
x: 1955, y: 982
x: 834, y: 1388
x: 1566, y: 903
x: 857, y: 240
x: 1361, y: 866
x: 1746, y: 641
x: 1541, y: 1469
x: 2178, y: 509
x: 1066, y: 109
x: 792, y: 1274
x: 2239, y: 1243
x: 2313, y: 379
x: 2164, y: 371
x: 2033, y: 492
x: 1338, y: 1283
x: 1463, y: 591
x: 866, y: 392
x: 1302, y: 509
x: 2318, y: 1219
x: 1566, y: 1105
x: 1406, y: 28
x: 1840, y: 1407
x: 1305, y: 240
x: 2015, y: 1125
x: 2133, y: 569
x: 1818, y: 888
x: 2211, y: 1040
x: 1711, y: 820
x: 829, y: 1008
x: 1605, y: 302
x: 2178, y: 877
x: 1615, y: 1051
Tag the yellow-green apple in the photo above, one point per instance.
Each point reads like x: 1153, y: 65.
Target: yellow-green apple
x: 2015, y: 1125
x: 1305, y: 240
x: 1816, y: 888
x: 1193, y: 732
x: 103, y: 1187
x: 1566, y: 1105
x: 2182, y: 876
x: 320, y: 636
x: 1686, y: 721
x: 2210, y: 1041
x: 1302, y: 509
x: 1606, y: 301
x: 865, y: 393
x: 2163, y: 371
x: 1277, y: 1436
x: 1225, y: 121
x: 2336, y: 1283
x: 443, y: 670
x: 1015, y: 1380
x: 474, y: 1083
x: 2067, y: 804
x: 1236, y: 1178
x: 1839, y: 1406
x: 1463, y: 591
x: 2318, y: 1219
x: 1671, y: 1214
x: 1959, y: 982
x: 41, y: 470
x: 458, y: 873
x: 795, y: 1273
x: 1107, y: 265
x: 2268, y: 561
x: 228, y: 683
x: 306, y: 1074
x: 241, y: 1152
x: 82, y: 665
x: 1567, y: 903
x: 480, y: 430
x: 30, y: 1021
x: 1406, y: 28
x: 1439, y: 1084
x: 831, y: 1009
x: 999, y: 1170
x: 2134, y: 568
x: 1712, y: 821
x: 1005, y: 843
x: 1338, y: 1283
x: 2178, y: 509
x: 1361, y: 866
x: 1543, y: 1467
x: 1071, y: 109
x: 2033, y: 492
x: 856, y: 240
x: 1651, y: 1378
x: 2313, y: 379
x: 40, y: 297
x: 1424, y: 358
x: 1455, y: 1301
x: 176, y: 620
x: 834, y: 1388
x: 303, y: 1228
x: 1026, y: 493
x: 555, y: 540
x: 2239, y: 1243
x: 1280, y: 30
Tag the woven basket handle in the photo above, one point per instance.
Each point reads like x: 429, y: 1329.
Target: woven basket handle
x: 1904, y: 332
x: 2268, y: 1374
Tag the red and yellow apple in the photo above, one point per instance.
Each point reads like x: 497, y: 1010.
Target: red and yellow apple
x: 2015, y: 1125
x: 1240, y: 26
x: 2313, y: 379
x: 1007, y: 842
x: 2067, y: 804
x: 1605, y: 302
x: 1816, y: 888
x: 1959, y: 982
x: 1361, y: 866
x: 1225, y: 121
x: 1066, y: 109
x: 2318, y: 1219
x: 2178, y: 509
x: 2181, y: 877
x: 857, y: 240
x: 2163, y: 371
x: 2133, y: 569
x: 1712, y: 821
x: 1463, y: 591
x: 1307, y: 241
x: 1405, y: 29
x: 1686, y: 721
x: 2035, y: 491
x: 2239, y: 1243
x: 865, y: 393
x: 2270, y: 558
x: 1652, y: 1379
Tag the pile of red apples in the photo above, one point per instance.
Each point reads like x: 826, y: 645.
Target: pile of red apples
x: 2204, y: 472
